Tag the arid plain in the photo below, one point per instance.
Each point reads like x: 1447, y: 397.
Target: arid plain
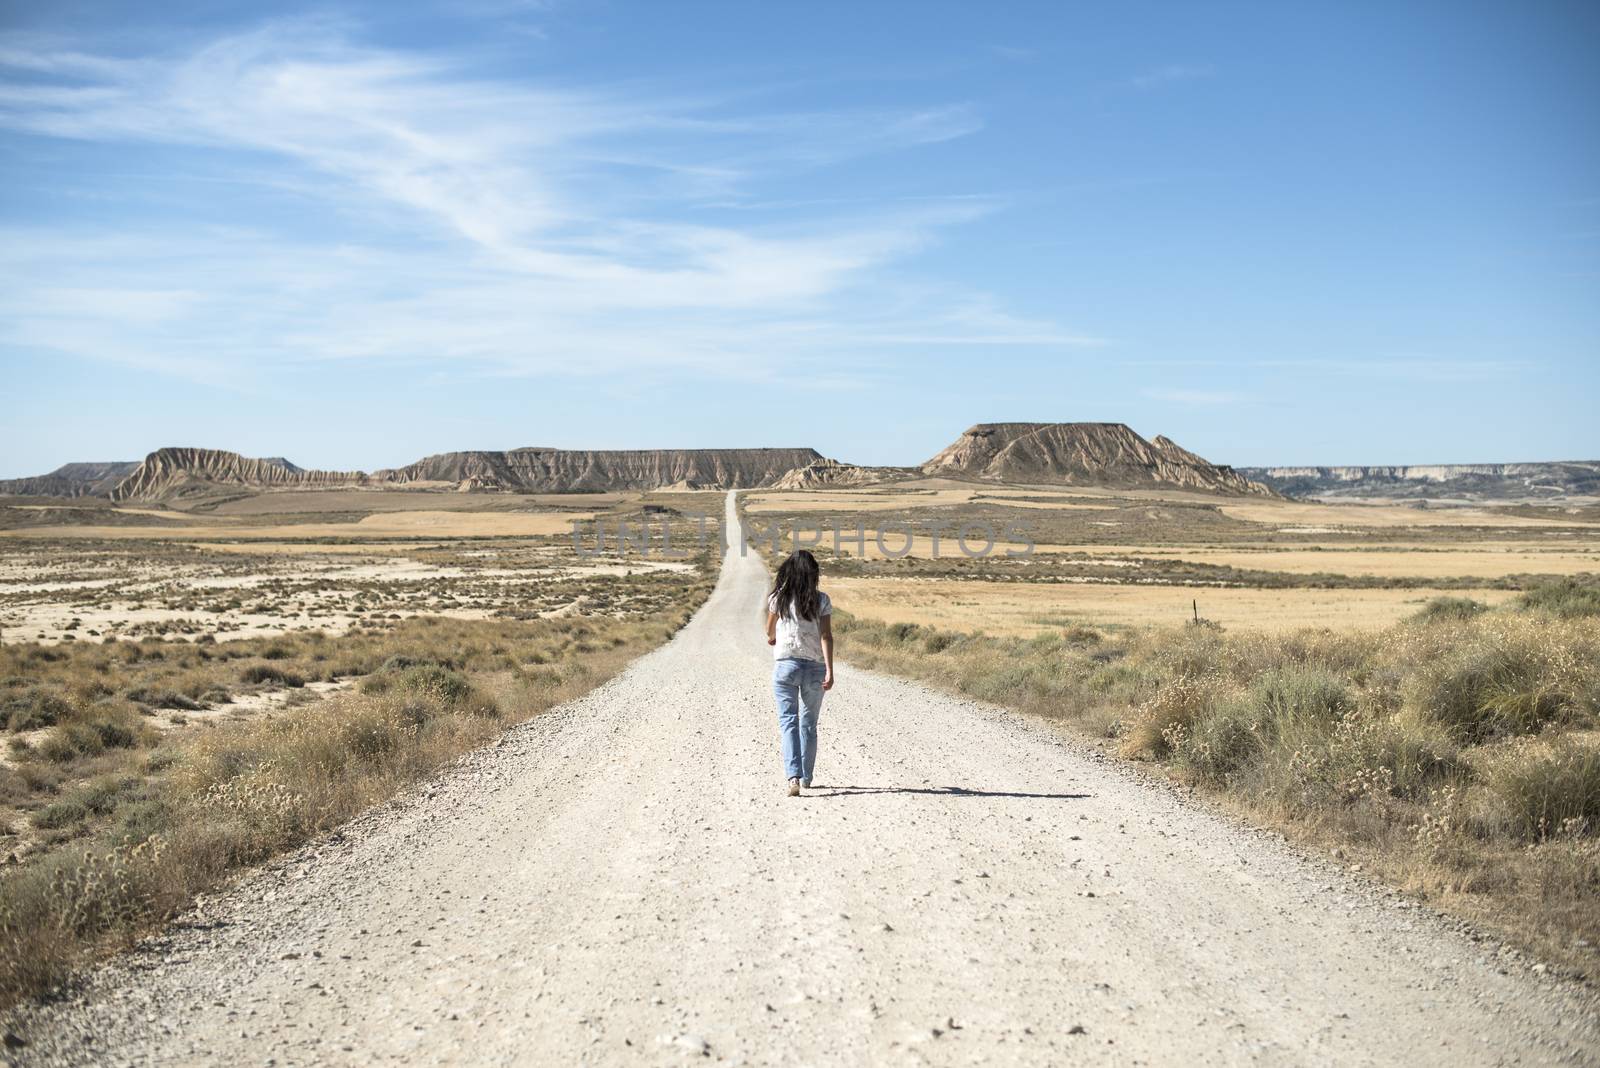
x: 208, y: 677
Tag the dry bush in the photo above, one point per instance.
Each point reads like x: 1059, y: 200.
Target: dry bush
x: 1538, y: 789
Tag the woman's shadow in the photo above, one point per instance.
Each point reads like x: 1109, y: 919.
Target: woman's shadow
x: 934, y: 791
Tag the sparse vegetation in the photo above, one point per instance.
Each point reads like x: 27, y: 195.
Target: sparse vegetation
x: 1457, y: 755
x: 140, y: 772
x: 1569, y: 598
x: 1450, y: 608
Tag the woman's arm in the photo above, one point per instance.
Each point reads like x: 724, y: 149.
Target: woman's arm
x: 772, y: 628
x: 825, y: 628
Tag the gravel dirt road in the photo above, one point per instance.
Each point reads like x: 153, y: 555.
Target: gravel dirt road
x: 623, y: 881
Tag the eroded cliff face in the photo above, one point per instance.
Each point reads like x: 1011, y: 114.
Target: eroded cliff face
x: 71, y: 480
x: 825, y: 473
x: 1093, y: 454
x: 178, y: 472
x: 598, y: 470
x: 1521, y: 481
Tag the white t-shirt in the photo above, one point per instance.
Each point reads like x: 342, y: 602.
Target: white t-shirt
x: 799, y: 639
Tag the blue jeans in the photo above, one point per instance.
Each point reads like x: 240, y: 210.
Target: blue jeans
x: 797, y: 684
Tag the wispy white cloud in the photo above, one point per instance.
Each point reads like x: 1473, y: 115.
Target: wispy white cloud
x: 515, y: 226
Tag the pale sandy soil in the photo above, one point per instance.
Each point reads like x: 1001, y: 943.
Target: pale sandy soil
x: 622, y: 881
x: 309, y: 501
x: 435, y: 524
x: 132, y: 604
x: 1026, y: 608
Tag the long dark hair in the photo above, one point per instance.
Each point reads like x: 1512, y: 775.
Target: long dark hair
x: 796, y: 587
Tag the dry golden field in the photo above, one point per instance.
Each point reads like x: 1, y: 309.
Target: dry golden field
x: 1142, y: 557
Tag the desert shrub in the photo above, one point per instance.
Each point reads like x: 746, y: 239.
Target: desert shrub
x: 60, y: 814
x: 1079, y: 635
x: 1534, y: 789
x: 138, y: 820
x: 1493, y: 684
x: 938, y: 641
x: 398, y: 663
x: 163, y: 698
x: 903, y: 632
x: 1292, y: 697
x: 1450, y: 609
x: 48, y: 909
x: 1292, y: 707
x: 35, y: 709
x: 258, y: 673
x: 1567, y: 598
x: 1162, y: 722
x: 103, y: 794
x: 1195, y: 653
x: 1213, y: 740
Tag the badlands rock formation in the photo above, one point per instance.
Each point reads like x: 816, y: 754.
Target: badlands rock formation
x: 71, y: 480
x: 596, y: 470
x: 1093, y: 454
x: 174, y: 474
x: 824, y: 473
x: 181, y: 472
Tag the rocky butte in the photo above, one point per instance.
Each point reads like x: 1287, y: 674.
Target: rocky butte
x: 1090, y: 454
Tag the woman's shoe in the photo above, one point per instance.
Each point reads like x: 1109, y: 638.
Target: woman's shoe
x: 806, y: 783
x: 794, y: 787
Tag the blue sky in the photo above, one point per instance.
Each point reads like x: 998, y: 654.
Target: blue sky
x: 356, y: 234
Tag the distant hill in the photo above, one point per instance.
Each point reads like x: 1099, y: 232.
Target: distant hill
x: 1081, y: 454
x: 71, y: 480
x: 1530, y: 481
x: 175, y: 473
x: 594, y: 470
x: 1089, y: 454
x: 824, y: 473
x: 186, y: 473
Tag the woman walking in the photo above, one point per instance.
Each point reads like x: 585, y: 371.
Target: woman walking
x: 800, y: 631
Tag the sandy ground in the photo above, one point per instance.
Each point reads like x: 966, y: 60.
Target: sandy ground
x: 622, y: 881
x: 435, y: 524
x: 1028, y: 608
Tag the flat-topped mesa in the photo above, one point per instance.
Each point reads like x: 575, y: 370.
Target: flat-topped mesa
x: 599, y: 470
x: 1086, y: 454
x: 179, y: 472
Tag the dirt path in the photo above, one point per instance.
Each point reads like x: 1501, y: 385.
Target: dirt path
x: 623, y: 881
